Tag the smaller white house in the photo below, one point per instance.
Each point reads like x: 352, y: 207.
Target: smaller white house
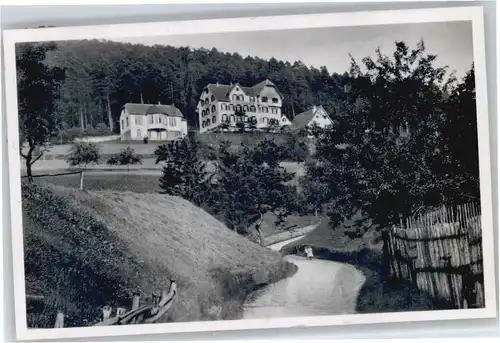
x: 315, y: 116
x: 156, y: 122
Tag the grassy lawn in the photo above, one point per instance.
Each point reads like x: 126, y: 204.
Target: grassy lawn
x: 378, y: 294
x: 84, y: 250
x: 138, y: 183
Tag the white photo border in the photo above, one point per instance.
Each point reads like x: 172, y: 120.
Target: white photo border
x: 473, y: 14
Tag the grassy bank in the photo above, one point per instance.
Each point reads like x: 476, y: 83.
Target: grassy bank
x: 378, y: 294
x: 87, y: 249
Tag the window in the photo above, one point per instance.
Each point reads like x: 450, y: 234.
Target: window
x: 172, y: 121
x: 265, y: 110
x: 241, y: 97
x: 151, y: 119
x: 238, y: 119
x: 266, y: 120
x: 261, y: 120
x: 213, y: 108
x: 235, y: 97
x: 203, y: 124
x: 206, y: 101
x: 238, y: 107
x: 139, y: 133
x: 126, y: 121
x: 275, y: 100
x: 214, y: 120
x: 245, y: 108
x: 264, y: 99
x: 159, y: 118
x: 213, y: 97
x: 245, y: 119
x: 231, y: 107
x: 231, y: 118
x: 138, y: 120
x: 252, y: 99
x: 252, y: 108
x: 223, y: 106
x: 123, y: 124
x: 224, y: 118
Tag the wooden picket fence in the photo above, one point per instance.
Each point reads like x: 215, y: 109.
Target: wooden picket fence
x: 441, y: 253
x: 146, y: 314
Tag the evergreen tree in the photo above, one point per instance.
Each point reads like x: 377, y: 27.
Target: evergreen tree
x: 184, y: 173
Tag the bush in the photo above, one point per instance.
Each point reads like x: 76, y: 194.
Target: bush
x: 83, y: 153
x: 126, y: 157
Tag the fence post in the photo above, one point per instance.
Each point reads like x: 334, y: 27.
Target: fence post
x: 59, y: 320
x: 448, y: 270
x: 81, y: 180
x: 135, y: 301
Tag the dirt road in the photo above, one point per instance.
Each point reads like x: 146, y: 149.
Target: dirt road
x: 319, y: 288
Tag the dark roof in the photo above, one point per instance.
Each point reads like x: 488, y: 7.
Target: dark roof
x: 302, y: 119
x: 221, y: 91
x: 145, y: 109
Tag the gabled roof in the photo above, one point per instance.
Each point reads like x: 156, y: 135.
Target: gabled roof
x: 145, y: 109
x: 221, y: 91
x: 301, y: 120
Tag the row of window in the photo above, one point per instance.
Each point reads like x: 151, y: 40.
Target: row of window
x: 237, y: 119
x: 246, y: 108
x: 154, y: 119
x: 207, y: 122
x: 239, y: 97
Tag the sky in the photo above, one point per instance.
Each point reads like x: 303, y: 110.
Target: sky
x: 330, y: 47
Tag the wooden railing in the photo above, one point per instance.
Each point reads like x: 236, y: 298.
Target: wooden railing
x: 145, y: 314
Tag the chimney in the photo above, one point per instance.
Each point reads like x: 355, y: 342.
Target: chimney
x: 142, y: 99
x: 159, y: 103
x: 217, y: 83
x: 314, y: 108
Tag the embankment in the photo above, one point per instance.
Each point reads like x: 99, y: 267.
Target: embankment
x: 84, y: 250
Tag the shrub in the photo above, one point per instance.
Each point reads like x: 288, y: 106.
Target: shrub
x: 126, y: 157
x: 83, y: 153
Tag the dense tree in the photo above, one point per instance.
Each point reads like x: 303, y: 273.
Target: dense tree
x: 390, y: 151
x: 101, y: 76
x: 250, y: 183
x: 184, y: 172
x: 37, y: 86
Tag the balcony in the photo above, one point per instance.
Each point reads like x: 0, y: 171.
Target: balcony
x: 157, y: 126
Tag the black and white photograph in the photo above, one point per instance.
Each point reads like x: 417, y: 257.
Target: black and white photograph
x: 244, y: 174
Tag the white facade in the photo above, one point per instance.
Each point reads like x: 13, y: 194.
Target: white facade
x: 157, y: 122
x: 315, y: 116
x: 320, y: 118
x: 221, y: 104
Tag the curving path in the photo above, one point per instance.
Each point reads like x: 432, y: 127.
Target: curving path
x: 319, y: 287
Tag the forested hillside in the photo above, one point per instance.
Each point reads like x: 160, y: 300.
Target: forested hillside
x: 101, y: 76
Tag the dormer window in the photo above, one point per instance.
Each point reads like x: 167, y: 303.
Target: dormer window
x: 213, y: 98
x: 264, y: 99
x: 275, y: 100
x: 252, y: 99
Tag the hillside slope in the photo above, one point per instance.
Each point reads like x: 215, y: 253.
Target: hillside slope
x: 87, y: 249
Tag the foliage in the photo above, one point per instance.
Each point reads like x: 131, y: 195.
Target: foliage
x: 250, y: 183
x: 37, y: 86
x: 101, y: 76
x: 83, y: 153
x: 184, y: 172
x: 273, y: 125
x: 126, y: 157
x: 390, y: 153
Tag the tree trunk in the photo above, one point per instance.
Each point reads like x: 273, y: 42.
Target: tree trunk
x: 110, y: 117
x: 82, y: 122
x: 29, y: 172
